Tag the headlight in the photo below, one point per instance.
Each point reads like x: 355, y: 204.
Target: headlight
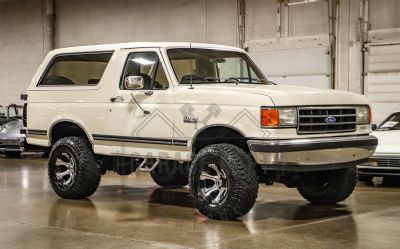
x: 4, y: 128
x: 364, y: 115
x: 278, y: 117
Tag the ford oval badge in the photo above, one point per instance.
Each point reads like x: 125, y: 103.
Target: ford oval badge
x: 330, y: 120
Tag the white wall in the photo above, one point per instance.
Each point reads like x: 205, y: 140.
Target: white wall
x: 21, y: 46
x: 83, y: 22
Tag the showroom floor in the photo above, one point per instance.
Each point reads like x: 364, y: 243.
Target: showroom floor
x: 132, y: 212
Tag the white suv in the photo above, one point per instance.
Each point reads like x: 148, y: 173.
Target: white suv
x: 196, y: 114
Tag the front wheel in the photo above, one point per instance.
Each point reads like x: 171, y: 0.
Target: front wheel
x: 223, y: 181
x: 327, y: 187
x: 73, y: 171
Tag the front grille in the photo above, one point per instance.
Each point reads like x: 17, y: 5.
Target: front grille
x: 313, y: 120
x: 389, y: 162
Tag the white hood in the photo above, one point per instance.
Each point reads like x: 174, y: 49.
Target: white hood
x: 292, y: 95
x: 388, y: 142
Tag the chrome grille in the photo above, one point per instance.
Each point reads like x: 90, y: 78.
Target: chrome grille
x: 388, y: 162
x: 314, y: 120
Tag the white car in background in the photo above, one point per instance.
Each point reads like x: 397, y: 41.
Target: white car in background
x: 386, y: 159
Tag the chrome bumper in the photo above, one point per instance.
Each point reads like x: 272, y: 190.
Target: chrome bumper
x: 319, y: 152
x: 374, y: 168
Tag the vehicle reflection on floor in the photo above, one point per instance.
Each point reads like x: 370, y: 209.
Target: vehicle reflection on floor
x: 133, y: 211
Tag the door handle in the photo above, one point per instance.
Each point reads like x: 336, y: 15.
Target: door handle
x: 117, y: 99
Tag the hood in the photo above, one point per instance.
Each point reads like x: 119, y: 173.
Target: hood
x: 292, y: 95
x: 13, y: 127
x: 388, y: 142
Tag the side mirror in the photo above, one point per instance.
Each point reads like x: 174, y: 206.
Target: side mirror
x: 374, y: 127
x: 134, y: 82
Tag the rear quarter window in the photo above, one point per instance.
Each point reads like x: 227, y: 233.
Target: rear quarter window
x: 76, y: 70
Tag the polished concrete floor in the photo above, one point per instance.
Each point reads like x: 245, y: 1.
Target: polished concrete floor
x: 132, y: 212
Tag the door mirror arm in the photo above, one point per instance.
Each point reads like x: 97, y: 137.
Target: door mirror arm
x: 135, y: 83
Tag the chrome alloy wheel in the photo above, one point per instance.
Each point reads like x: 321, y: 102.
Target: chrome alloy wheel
x: 65, y: 169
x: 213, y: 185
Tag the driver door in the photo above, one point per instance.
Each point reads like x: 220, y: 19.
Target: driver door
x: 147, y: 132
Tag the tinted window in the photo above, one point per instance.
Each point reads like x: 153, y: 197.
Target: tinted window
x: 76, y: 70
x: 147, y: 65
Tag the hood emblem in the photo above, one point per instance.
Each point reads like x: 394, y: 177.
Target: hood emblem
x: 330, y: 120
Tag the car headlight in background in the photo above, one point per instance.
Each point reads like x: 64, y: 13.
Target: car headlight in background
x: 4, y: 128
x: 364, y: 115
x: 278, y: 117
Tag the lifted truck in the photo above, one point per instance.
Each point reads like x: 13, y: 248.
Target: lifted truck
x: 196, y: 114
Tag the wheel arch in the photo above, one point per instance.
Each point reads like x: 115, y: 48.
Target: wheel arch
x: 218, y: 133
x: 67, y: 127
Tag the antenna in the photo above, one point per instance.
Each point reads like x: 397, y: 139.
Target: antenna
x: 190, y: 63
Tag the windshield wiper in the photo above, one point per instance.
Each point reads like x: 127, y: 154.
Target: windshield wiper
x: 251, y: 80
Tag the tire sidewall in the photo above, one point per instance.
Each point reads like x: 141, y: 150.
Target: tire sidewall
x: 198, y: 167
x: 52, y: 167
x: 87, y: 173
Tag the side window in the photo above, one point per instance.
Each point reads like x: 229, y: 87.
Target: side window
x: 76, y: 70
x: 147, y: 65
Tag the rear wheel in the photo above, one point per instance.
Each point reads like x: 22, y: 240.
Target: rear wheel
x: 73, y: 171
x: 327, y: 187
x: 223, y: 181
x: 171, y: 174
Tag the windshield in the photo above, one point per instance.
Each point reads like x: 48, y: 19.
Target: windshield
x: 391, y: 123
x: 3, y: 112
x: 10, y: 112
x: 210, y: 66
x: 15, y: 111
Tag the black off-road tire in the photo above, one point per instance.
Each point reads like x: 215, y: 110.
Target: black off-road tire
x: 241, y: 181
x: 339, y: 184
x: 87, y: 173
x: 13, y: 154
x: 171, y: 174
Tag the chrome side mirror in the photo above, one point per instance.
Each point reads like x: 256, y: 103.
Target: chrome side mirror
x: 134, y: 82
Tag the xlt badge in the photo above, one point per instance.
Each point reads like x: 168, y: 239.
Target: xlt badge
x: 189, y: 119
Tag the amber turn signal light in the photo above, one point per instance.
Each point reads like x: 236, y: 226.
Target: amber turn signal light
x: 369, y: 114
x: 269, y: 117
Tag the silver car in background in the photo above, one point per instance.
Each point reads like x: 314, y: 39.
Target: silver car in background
x: 11, y: 140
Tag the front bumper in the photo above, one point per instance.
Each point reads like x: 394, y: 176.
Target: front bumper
x: 380, y: 166
x: 312, y: 153
x: 12, y: 144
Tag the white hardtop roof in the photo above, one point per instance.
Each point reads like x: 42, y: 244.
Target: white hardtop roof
x: 132, y: 45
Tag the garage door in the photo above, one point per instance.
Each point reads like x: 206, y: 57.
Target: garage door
x: 382, y: 81
x: 309, y: 67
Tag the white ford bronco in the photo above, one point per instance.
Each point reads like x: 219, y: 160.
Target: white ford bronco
x: 195, y: 114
